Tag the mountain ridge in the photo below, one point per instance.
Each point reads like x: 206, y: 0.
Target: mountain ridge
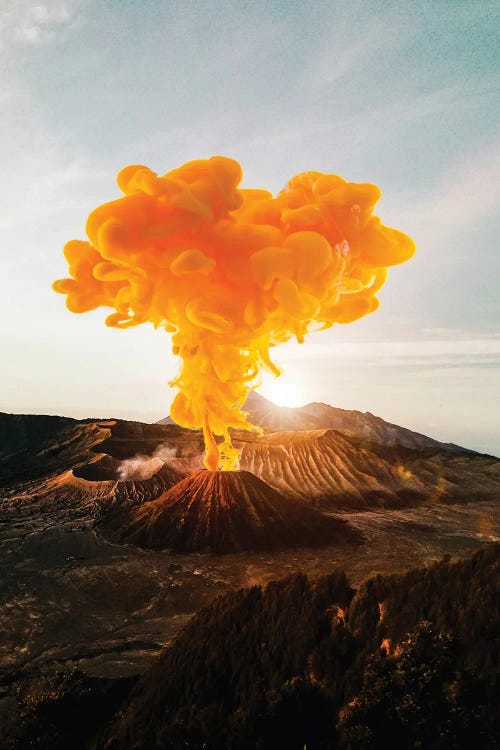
x: 132, y: 462
x: 318, y: 415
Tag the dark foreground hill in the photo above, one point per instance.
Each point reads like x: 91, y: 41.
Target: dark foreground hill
x: 407, y: 661
x: 226, y: 511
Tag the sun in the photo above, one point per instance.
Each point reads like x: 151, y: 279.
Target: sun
x: 282, y: 391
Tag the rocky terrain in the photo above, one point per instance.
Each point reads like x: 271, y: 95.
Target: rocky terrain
x: 406, y: 661
x: 331, y: 470
x: 229, y: 511
x: 346, y: 459
x: 82, y: 614
x: 403, y: 661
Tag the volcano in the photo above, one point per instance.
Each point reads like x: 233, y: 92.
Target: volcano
x: 79, y: 611
x: 223, y: 512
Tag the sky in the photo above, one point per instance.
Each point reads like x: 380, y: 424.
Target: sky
x: 403, y: 94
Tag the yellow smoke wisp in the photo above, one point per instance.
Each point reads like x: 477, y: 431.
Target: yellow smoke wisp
x: 230, y: 273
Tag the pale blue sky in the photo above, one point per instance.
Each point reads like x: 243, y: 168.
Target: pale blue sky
x: 403, y: 94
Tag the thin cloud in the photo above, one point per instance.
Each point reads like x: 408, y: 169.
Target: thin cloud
x: 30, y: 22
x: 39, y: 178
x: 385, y: 352
x: 464, y: 195
x: 352, y: 42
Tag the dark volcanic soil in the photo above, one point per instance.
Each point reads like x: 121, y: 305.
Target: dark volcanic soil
x: 70, y: 599
x: 223, y: 512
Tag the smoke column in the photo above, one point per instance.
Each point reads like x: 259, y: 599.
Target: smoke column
x: 230, y: 273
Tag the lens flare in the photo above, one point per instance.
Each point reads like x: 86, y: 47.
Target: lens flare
x: 230, y: 273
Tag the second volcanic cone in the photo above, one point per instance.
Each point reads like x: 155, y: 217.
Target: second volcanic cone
x: 223, y: 512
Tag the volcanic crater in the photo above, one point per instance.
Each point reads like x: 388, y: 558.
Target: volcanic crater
x: 70, y: 599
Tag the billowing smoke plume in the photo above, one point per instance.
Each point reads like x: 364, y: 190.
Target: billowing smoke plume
x: 230, y: 273
x: 141, y: 467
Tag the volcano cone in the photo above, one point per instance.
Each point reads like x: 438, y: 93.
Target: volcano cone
x: 227, y: 511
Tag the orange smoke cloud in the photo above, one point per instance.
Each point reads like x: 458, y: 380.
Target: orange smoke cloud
x: 230, y: 273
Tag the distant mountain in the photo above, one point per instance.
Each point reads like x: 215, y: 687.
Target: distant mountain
x: 115, y: 462
x: 354, y: 459
x: 225, y: 512
x: 319, y: 416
